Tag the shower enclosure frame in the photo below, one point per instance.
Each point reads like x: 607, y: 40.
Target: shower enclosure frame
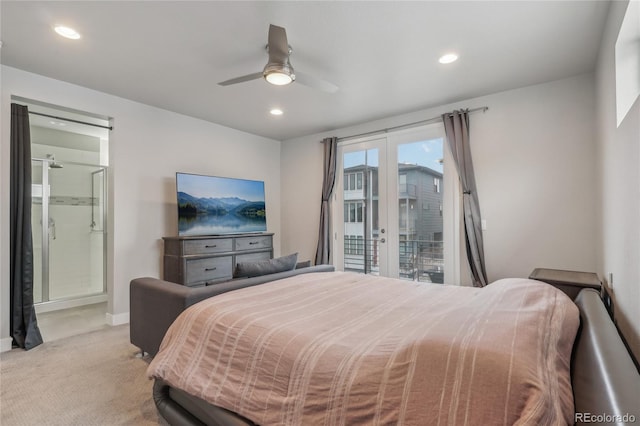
x: 66, y: 302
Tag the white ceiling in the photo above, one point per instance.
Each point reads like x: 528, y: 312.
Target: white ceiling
x: 382, y: 55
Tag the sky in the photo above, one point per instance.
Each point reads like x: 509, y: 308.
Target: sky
x: 220, y: 187
x: 425, y: 153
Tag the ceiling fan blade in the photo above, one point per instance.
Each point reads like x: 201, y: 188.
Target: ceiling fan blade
x: 278, y: 45
x: 316, y: 83
x: 242, y: 79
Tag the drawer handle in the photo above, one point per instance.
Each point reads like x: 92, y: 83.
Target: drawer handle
x: 210, y: 269
x: 213, y: 246
x: 253, y: 242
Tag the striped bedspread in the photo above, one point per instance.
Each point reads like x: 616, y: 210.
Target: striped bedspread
x: 349, y: 349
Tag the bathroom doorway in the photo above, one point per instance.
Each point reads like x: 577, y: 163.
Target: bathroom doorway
x: 68, y: 229
x: 69, y: 219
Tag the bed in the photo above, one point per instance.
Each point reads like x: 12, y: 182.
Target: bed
x: 341, y: 348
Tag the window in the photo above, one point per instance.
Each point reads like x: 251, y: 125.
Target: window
x: 352, y: 181
x: 353, y: 212
x: 627, y: 61
x: 354, y: 245
x: 360, y: 247
x: 347, y: 245
x: 436, y: 184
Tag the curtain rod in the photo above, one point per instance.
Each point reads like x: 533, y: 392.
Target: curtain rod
x: 404, y: 126
x: 73, y: 121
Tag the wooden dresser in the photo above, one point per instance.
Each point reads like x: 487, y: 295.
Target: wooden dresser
x: 204, y: 260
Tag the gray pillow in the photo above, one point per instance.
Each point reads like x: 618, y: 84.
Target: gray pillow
x: 265, y: 267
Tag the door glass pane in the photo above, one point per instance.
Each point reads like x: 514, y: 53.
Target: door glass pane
x: 76, y: 238
x: 361, y: 233
x: 36, y: 228
x: 97, y: 236
x: 420, y: 216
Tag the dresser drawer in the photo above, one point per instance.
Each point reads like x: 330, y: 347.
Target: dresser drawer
x: 253, y: 243
x: 208, y: 269
x: 253, y: 257
x: 208, y: 246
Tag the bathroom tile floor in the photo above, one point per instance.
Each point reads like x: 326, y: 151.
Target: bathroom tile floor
x: 56, y: 325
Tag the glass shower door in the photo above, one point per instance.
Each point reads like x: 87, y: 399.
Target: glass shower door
x: 68, y: 213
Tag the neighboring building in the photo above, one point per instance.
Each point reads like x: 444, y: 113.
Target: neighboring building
x: 420, y: 221
x: 420, y: 227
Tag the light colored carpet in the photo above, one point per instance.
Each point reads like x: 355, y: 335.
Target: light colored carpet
x: 89, y: 379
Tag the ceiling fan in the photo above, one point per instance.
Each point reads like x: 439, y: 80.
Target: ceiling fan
x: 278, y: 70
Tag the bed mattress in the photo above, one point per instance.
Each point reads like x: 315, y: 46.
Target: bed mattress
x: 343, y: 348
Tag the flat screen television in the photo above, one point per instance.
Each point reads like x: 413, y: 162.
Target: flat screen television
x: 214, y: 205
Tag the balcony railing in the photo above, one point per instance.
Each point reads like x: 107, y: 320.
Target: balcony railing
x: 422, y: 260
x: 407, y: 190
x: 419, y: 260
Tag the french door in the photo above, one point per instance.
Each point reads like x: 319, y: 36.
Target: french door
x: 394, y: 207
x: 361, y: 193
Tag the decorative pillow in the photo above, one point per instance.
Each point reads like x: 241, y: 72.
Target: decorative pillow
x: 265, y: 267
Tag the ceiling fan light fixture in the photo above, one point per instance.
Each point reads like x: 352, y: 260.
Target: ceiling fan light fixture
x: 278, y: 74
x: 278, y: 78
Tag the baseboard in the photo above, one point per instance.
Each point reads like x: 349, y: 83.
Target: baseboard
x: 118, y: 319
x: 6, y: 344
x: 57, y: 305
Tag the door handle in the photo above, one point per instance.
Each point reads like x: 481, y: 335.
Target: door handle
x: 382, y: 240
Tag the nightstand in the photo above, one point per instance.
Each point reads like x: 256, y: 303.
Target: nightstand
x: 571, y: 282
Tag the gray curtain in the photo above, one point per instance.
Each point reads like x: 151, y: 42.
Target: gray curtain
x: 456, y: 126
x: 323, y: 252
x: 23, y: 323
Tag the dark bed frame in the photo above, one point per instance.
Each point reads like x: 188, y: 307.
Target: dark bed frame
x: 605, y: 379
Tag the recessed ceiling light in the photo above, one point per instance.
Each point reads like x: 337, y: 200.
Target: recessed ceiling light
x: 276, y: 111
x: 448, y: 58
x: 67, y: 32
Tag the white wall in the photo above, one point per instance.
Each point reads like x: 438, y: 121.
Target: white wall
x: 619, y: 172
x: 534, y: 157
x: 147, y: 146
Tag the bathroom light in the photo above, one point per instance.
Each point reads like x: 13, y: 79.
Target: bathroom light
x: 67, y: 32
x: 448, y: 58
x: 276, y: 111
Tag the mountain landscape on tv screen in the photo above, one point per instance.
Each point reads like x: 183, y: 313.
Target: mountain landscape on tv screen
x: 209, y: 215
